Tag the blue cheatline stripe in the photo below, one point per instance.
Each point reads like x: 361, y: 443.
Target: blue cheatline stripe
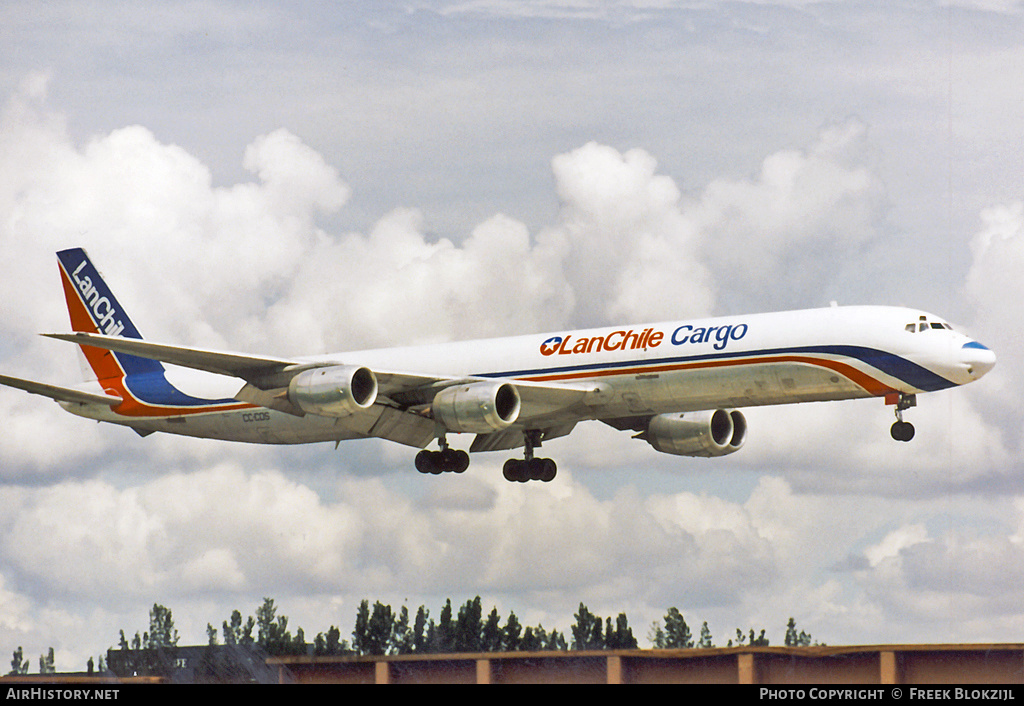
x: 895, y: 366
x: 892, y: 365
x: 154, y: 389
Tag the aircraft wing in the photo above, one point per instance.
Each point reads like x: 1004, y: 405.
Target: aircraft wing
x: 61, y: 394
x: 268, y: 377
x: 261, y: 372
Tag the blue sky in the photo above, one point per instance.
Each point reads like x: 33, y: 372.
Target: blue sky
x: 300, y: 178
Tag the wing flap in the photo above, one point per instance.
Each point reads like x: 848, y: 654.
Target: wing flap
x: 512, y: 438
x: 404, y: 428
x: 274, y: 398
x: 540, y: 399
x: 61, y: 394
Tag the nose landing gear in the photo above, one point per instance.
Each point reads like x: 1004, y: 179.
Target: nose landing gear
x: 901, y: 430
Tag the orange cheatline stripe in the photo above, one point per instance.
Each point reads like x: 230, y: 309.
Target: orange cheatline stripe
x: 868, y: 383
x: 102, y: 362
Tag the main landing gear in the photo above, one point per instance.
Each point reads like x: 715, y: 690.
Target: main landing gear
x: 901, y: 430
x: 530, y: 468
x: 447, y: 460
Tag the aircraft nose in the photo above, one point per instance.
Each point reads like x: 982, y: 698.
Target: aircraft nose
x: 977, y: 359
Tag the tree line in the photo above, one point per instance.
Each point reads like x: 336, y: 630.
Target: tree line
x: 381, y: 630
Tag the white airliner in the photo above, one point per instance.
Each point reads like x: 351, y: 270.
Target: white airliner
x: 676, y: 384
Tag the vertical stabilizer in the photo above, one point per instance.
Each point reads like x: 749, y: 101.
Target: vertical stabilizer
x: 94, y: 309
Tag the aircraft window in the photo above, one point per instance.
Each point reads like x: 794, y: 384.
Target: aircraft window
x: 924, y: 326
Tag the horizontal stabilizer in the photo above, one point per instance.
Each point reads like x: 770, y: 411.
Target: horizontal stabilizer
x: 62, y: 394
x: 233, y: 364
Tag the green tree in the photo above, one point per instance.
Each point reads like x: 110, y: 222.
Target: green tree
x: 490, y: 635
x: 267, y: 632
x: 534, y: 639
x: 468, y: 627
x: 556, y: 641
x: 401, y: 633
x: 19, y: 665
x: 705, y: 637
x: 153, y: 652
x: 46, y: 664
x: 677, y: 632
x: 298, y: 646
x: 162, y: 633
x: 430, y: 638
x: 795, y: 639
x: 656, y: 636
x: 237, y: 632
x: 123, y: 644
x: 445, y: 635
x: 420, y: 627
x: 751, y: 639
x: 379, y: 629
x: 360, y: 631
x: 511, y: 634
x: 272, y: 632
x: 330, y: 644
x: 619, y: 637
x: 586, y: 631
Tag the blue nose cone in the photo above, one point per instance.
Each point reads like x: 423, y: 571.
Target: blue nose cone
x: 977, y: 359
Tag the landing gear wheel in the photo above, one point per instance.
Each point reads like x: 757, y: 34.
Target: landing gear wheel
x: 522, y: 471
x: 546, y: 471
x: 514, y: 471
x: 902, y: 431
x: 530, y: 468
x: 425, y: 462
x: 459, y: 461
x: 444, y: 461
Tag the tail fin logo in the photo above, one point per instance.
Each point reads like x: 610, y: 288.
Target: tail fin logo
x: 104, y: 314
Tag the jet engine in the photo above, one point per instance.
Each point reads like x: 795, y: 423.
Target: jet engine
x: 335, y: 391
x: 708, y: 433
x: 478, y: 408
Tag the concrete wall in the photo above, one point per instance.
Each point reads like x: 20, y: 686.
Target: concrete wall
x: 885, y: 664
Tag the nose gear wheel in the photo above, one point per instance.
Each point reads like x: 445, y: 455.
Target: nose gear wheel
x: 901, y: 430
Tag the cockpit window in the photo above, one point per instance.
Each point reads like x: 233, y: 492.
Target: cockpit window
x: 925, y: 325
